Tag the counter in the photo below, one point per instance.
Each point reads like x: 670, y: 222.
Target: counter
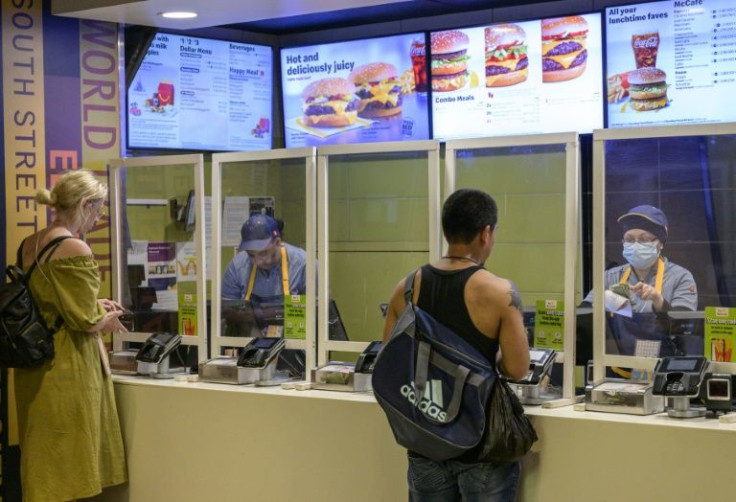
x: 200, y: 441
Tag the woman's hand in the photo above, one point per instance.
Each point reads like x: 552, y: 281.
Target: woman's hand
x: 110, y: 323
x: 110, y: 305
x: 647, y: 292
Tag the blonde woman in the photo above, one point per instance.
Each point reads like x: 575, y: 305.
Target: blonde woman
x: 70, y: 440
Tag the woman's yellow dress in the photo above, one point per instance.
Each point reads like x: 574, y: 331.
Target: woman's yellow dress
x: 70, y: 439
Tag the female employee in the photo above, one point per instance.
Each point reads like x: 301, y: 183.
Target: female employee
x: 656, y: 284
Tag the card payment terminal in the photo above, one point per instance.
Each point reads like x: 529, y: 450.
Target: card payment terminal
x: 153, y: 357
x: 540, y: 361
x: 260, y: 351
x: 528, y: 388
x: 679, y: 378
x: 158, y: 346
x: 367, y: 358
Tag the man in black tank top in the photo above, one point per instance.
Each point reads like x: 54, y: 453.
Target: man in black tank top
x: 485, y: 310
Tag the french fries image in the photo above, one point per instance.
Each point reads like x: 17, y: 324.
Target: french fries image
x: 618, y: 87
x: 406, y: 81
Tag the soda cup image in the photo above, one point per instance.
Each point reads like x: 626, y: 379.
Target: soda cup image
x: 645, y: 47
x: 418, y: 62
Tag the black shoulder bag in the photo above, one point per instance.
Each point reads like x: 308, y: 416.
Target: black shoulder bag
x: 25, y: 340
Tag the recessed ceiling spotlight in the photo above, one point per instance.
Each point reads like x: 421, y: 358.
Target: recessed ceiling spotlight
x: 178, y: 15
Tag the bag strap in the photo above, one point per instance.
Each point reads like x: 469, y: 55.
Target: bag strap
x: 54, y: 243
x: 19, y: 255
x: 409, y: 287
x: 460, y: 374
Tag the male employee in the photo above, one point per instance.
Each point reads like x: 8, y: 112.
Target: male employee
x: 656, y: 284
x: 485, y: 310
x: 269, y: 268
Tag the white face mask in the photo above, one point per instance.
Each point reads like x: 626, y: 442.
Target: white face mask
x: 641, y: 255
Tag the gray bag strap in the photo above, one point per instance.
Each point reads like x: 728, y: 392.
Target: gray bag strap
x: 449, y: 367
x: 421, y: 368
x: 460, y: 374
x: 409, y: 287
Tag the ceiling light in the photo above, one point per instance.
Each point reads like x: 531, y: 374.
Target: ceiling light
x: 178, y: 15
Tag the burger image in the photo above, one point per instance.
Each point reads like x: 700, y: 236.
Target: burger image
x: 506, y: 61
x: 563, y: 48
x: 449, y: 60
x: 329, y: 102
x: 647, y: 89
x: 378, y: 88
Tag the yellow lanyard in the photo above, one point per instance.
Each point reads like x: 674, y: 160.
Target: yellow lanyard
x: 284, y: 275
x: 657, y: 281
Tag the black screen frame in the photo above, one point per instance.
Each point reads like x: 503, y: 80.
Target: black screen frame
x: 603, y: 101
x: 418, y: 33
x: 698, y: 365
x: 135, y: 65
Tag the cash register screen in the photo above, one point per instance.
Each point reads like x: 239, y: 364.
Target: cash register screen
x: 336, y: 327
x: 682, y: 364
x: 265, y: 343
x: 536, y: 356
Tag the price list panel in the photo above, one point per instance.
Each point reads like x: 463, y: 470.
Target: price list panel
x: 724, y: 45
x: 671, y: 62
x: 194, y: 93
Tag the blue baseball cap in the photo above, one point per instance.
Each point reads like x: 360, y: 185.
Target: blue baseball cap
x: 648, y: 218
x: 257, y: 232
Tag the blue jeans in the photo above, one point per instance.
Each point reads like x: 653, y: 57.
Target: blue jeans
x: 452, y: 481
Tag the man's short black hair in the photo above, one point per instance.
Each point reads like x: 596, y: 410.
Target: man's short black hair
x: 466, y: 213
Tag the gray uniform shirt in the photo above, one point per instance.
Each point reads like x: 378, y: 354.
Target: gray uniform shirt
x: 678, y: 286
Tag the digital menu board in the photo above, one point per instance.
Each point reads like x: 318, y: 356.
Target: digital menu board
x: 518, y: 78
x: 671, y: 62
x: 200, y: 94
x: 360, y: 91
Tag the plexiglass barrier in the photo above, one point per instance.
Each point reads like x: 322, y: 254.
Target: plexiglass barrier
x: 157, y: 214
x: 534, y: 181
x: 378, y: 214
x: 665, y: 240
x: 263, y: 216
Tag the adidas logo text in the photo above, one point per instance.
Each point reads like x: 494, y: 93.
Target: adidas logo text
x: 430, y: 403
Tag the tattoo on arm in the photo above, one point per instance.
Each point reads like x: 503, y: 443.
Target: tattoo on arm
x: 515, y: 298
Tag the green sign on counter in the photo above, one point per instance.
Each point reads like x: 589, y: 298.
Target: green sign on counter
x: 720, y: 333
x: 295, y: 316
x: 549, y: 323
x: 187, y: 309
